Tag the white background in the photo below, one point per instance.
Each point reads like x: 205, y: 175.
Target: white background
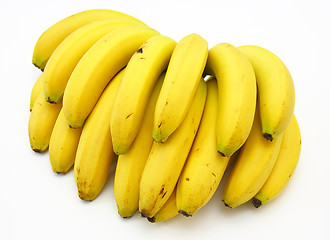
x: 37, y: 203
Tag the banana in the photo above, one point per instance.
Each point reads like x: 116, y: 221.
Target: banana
x: 96, y: 68
x: 252, y: 168
x: 168, y: 211
x: 166, y: 160
x: 94, y: 153
x: 142, y: 72
x: 36, y: 90
x: 284, y: 167
x: 130, y: 165
x: 53, y: 36
x: 41, y: 123
x: 63, y: 145
x: 184, y: 71
x: 66, y: 56
x: 204, y: 167
x: 275, y: 89
x: 237, y: 96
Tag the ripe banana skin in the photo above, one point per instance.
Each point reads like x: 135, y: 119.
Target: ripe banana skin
x: 285, y: 165
x: 142, y: 72
x: 168, y: 211
x: 70, y: 51
x: 63, y: 145
x: 237, y: 93
x: 36, y: 90
x: 94, y: 154
x: 275, y: 88
x: 41, y: 123
x: 130, y: 165
x: 252, y: 168
x: 204, y: 167
x: 184, y: 71
x: 96, y: 68
x: 53, y: 36
x: 166, y: 160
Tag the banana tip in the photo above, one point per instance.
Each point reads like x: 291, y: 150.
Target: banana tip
x: 184, y: 213
x: 151, y: 219
x: 226, y: 204
x: 143, y: 214
x: 73, y: 127
x: 157, y: 138
x: 268, y: 136
x: 50, y: 100
x: 256, y: 202
x: 37, y: 150
x: 38, y: 66
x: 222, y: 154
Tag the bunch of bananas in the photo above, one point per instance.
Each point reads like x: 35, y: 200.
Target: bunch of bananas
x: 173, y: 115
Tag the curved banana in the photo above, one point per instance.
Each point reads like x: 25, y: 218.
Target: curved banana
x: 166, y: 160
x: 284, y: 167
x: 142, y: 72
x: 63, y: 145
x: 276, y: 91
x: 96, y: 68
x: 237, y: 96
x: 53, y: 36
x: 94, y: 154
x: 36, y: 90
x: 66, y: 56
x: 168, y: 211
x: 130, y: 165
x: 252, y: 168
x: 41, y: 123
x: 204, y: 167
x: 181, y: 81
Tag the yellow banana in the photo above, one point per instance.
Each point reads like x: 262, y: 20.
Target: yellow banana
x: 252, y: 168
x: 130, y: 165
x: 70, y: 51
x: 63, y: 145
x: 276, y: 91
x: 166, y: 160
x: 96, y: 68
x: 142, y: 72
x: 36, y: 90
x: 41, y: 123
x: 204, y: 167
x: 94, y: 154
x: 184, y: 71
x: 53, y: 36
x: 237, y: 96
x: 168, y: 211
x: 284, y: 167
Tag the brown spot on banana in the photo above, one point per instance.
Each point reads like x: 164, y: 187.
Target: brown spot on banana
x: 129, y: 115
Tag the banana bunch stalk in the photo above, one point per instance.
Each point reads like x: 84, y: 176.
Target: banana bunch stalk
x: 112, y: 87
